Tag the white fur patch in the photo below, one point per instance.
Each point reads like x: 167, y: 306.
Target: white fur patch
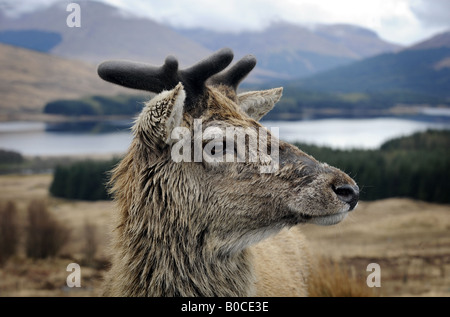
x: 176, y: 116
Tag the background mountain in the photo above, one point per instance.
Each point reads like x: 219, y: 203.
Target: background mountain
x: 293, y: 51
x: 342, y: 66
x: 105, y: 33
x: 422, y: 69
x: 283, y: 50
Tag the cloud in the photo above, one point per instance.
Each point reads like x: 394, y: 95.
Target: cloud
x: 230, y: 15
x: 399, y: 21
x: 433, y: 13
x: 394, y: 21
x: 16, y: 8
x: 235, y: 15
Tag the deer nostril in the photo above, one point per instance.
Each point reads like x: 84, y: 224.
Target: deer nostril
x: 348, y: 194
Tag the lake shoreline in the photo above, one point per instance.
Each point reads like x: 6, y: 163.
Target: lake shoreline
x: 46, y: 164
x: 53, y: 118
x: 107, y: 138
x: 399, y: 110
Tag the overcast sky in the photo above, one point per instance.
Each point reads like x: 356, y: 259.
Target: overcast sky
x: 399, y: 21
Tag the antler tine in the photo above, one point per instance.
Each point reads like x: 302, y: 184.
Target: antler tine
x: 196, y: 76
x: 140, y: 75
x: 236, y: 74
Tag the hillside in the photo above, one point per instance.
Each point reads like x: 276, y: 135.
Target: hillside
x: 439, y: 40
x: 28, y: 80
x: 424, y: 69
x: 293, y: 51
x: 359, y: 40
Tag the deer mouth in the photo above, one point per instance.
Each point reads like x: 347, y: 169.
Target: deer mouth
x: 326, y: 220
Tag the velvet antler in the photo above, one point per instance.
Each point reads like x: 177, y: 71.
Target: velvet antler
x: 233, y: 76
x: 156, y: 79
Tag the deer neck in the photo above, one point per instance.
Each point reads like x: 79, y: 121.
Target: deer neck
x: 163, y: 245
x: 162, y: 258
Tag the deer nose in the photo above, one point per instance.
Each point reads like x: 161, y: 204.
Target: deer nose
x: 348, y: 194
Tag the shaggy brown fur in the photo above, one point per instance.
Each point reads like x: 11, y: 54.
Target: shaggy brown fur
x: 184, y: 229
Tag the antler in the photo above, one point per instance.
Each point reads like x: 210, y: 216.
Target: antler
x: 156, y: 79
x: 235, y: 74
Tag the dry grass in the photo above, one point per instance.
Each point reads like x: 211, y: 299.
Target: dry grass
x: 329, y: 278
x: 410, y: 240
x: 91, y: 243
x: 9, y: 231
x: 45, y: 236
x: 41, y: 217
x: 46, y: 277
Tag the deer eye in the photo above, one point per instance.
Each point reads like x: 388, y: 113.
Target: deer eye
x: 218, y: 152
x: 220, y: 148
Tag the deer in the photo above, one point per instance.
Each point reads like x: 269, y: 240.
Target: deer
x: 209, y: 227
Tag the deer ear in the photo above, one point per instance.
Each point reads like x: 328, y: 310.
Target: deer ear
x: 160, y: 116
x: 257, y: 103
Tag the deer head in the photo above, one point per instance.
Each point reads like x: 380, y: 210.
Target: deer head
x: 182, y: 181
